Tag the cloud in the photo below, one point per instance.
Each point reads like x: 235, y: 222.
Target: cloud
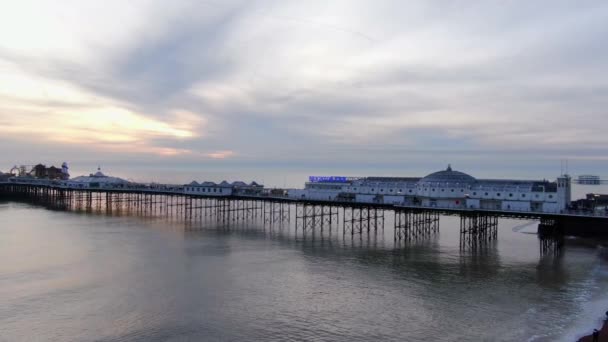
x: 316, y: 81
x: 220, y: 154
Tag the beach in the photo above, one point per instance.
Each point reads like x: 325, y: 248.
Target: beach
x: 603, y: 334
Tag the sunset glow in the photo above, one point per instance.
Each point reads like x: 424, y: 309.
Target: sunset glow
x: 280, y: 81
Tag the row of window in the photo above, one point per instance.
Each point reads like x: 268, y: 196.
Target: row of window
x: 498, y: 194
x: 510, y: 195
x: 208, y: 190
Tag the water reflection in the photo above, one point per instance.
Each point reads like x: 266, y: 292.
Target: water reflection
x: 134, y: 278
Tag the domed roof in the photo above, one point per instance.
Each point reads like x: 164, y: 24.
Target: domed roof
x: 98, y: 173
x: 448, y: 176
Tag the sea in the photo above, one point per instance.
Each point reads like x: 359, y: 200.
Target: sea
x: 87, y: 276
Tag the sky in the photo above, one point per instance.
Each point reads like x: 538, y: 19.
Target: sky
x: 178, y: 89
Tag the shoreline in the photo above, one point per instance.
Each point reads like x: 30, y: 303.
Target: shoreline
x: 603, y: 334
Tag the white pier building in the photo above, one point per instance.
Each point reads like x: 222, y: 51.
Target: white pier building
x: 445, y: 189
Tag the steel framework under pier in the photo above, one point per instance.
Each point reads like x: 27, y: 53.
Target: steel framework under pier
x: 356, y: 220
x: 415, y: 224
x: 550, y: 236
x: 276, y: 212
x: 310, y: 216
x: 477, y: 228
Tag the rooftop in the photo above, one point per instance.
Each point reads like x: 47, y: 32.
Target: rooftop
x: 448, y: 176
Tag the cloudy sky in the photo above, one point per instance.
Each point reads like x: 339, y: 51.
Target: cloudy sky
x: 495, y: 87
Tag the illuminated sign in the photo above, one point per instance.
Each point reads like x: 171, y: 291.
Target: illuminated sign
x: 328, y: 179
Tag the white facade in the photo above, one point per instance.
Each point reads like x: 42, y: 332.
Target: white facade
x: 447, y: 189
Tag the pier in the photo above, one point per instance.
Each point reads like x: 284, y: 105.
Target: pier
x: 477, y: 226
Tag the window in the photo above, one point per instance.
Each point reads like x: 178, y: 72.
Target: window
x: 498, y: 194
x: 433, y: 190
x: 381, y: 190
x: 523, y: 195
x: 214, y: 190
x: 461, y: 190
x: 410, y: 190
x: 391, y: 190
x: 550, y: 196
x: 486, y: 194
x: 372, y: 189
x: 510, y: 195
x: 452, y: 190
x: 474, y: 193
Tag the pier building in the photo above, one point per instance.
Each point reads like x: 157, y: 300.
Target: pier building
x: 97, y: 180
x: 444, y: 189
x: 223, y: 189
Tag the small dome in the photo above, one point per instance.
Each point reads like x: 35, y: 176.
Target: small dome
x: 98, y: 173
x: 448, y: 176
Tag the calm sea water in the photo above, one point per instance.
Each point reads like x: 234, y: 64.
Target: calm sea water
x: 68, y: 276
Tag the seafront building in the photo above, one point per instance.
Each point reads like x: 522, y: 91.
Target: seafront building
x: 445, y: 189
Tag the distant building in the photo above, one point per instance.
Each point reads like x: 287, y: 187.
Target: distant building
x: 589, y: 179
x: 42, y: 172
x: 446, y: 189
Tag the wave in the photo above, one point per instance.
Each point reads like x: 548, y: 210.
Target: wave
x: 594, y: 304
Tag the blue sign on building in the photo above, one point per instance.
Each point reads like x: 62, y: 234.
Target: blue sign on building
x: 327, y: 179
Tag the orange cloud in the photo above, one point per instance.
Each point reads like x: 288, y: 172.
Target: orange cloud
x: 220, y: 154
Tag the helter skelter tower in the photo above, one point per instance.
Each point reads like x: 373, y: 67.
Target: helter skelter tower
x: 65, y: 175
